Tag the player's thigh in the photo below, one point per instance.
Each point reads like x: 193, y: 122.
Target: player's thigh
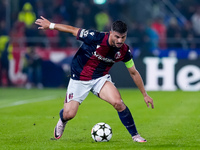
x: 70, y: 109
x: 110, y: 94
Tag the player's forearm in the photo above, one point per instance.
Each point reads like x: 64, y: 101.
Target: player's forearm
x: 139, y: 83
x: 66, y: 28
x: 46, y: 24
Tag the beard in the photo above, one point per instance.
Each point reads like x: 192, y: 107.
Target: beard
x: 118, y: 45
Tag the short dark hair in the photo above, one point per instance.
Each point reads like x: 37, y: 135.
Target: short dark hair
x: 119, y: 26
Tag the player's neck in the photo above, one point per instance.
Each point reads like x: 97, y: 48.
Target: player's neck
x: 110, y: 41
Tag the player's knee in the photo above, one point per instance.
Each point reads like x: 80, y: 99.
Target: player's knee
x: 119, y: 105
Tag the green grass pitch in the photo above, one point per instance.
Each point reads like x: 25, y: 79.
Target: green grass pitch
x: 28, y: 118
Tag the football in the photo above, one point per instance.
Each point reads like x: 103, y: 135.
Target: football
x: 101, y: 132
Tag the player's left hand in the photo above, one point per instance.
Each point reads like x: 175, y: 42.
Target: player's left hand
x: 148, y: 100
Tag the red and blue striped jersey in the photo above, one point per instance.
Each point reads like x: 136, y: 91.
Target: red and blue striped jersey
x: 95, y: 56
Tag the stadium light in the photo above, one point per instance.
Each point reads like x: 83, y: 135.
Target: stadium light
x: 100, y: 2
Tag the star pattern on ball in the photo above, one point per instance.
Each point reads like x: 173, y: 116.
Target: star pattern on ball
x: 102, y: 126
x: 94, y: 133
x: 101, y: 132
x: 104, y: 137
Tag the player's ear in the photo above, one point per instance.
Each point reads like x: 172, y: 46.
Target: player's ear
x: 111, y: 33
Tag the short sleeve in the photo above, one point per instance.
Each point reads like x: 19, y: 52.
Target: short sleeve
x: 128, y: 56
x: 86, y: 36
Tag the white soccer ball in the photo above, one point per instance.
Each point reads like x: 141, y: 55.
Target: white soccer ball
x: 101, y: 132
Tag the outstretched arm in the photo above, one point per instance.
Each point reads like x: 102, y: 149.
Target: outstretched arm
x: 45, y: 24
x: 139, y: 82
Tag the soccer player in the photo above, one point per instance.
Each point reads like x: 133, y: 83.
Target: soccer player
x: 89, y: 72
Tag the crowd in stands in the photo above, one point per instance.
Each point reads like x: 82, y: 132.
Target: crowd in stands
x: 165, y: 28
x: 160, y: 31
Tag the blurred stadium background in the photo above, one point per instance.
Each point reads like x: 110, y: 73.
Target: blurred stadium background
x: 164, y: 37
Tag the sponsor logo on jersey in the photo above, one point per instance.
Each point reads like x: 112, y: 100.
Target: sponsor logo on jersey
x: 103, y: 58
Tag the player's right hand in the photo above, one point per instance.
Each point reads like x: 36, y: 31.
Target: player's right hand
x: 43, y: 23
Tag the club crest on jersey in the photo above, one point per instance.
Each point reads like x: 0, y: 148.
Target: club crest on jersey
x: 117, y: 55
x: 70, y: 95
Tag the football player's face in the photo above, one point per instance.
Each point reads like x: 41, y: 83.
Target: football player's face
x: 117, y: 39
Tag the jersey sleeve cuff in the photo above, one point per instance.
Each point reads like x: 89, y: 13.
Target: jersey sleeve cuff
x: 78, y: 35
